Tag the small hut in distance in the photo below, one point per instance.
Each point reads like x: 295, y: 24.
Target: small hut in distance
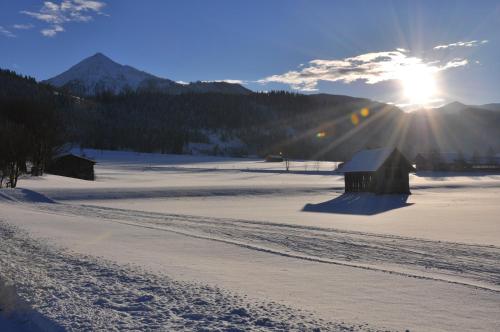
x: 380, y: 171
x: 72, y: 166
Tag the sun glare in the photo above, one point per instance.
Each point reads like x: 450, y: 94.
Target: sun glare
x: 419, y: 85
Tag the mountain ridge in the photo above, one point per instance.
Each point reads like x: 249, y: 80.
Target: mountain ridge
x: 456, y: 106
x: 98, y: 73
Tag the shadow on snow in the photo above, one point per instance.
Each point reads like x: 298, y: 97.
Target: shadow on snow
x: 366, y: 204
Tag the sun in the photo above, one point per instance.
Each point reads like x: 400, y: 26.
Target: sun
x: 419, y: 85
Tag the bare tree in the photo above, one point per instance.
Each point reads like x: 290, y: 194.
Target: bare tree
x: 15, y: 149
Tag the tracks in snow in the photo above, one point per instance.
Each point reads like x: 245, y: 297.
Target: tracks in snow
x: 81, y: 293
x: 472, y: 265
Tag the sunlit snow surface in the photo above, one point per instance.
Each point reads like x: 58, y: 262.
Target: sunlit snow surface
x: 243, y: 233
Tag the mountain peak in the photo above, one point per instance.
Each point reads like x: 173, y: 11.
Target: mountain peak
x: 99, y: 73
x: 99, y: 56
x: 455, y: 104
x: 452, y: 107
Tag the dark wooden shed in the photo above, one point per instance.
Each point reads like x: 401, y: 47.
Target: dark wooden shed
x: 274, y: 158
x: 73, y: 166
x: 380, y: 171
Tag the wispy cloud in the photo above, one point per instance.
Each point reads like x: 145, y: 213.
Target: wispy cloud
x: 370, y: 67
x: 471, y: 43
x: 23, y: 26
x: 227, y: 81
x: 6, y: 33
x: 56, y: 14
x: 52, y: 31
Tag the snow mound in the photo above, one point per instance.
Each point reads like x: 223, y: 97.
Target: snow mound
x: 23, y: 196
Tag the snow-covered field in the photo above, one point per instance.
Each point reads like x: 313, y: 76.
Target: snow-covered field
x: 163, y: 242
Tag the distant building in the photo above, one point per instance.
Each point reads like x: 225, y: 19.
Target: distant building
x: 272, y: 158
x: 380, y: 171
x: 73, y: 166
x: 455, y: 162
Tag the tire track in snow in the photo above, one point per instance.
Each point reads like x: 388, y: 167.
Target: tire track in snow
x: 471, y: 265
x: 81, y: 293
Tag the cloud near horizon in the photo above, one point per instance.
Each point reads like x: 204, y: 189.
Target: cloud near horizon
x: 471, y: 43
x: 229, y: 81
x: 58, y: 14
x: 371, y: 68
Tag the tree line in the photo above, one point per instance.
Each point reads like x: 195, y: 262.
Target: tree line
x: 31, y: 126
x: 37, y: 119
x: 265, y: 122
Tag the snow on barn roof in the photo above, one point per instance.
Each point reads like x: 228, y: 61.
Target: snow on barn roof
x: 68, y: 154
x: 367, y: 160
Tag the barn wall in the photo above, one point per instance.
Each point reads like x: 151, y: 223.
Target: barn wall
x: 392, y: 181
x: 360, y: 182
x: 384, y: 181
x: 73, y: 167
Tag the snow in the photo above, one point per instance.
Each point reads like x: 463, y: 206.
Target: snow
x: 367, y: 160
x: 17, y: 316
x: 227, y: 146
x: 180, y: 235
x: 126, y: 298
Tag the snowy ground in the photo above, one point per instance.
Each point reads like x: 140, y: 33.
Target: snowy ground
x: 157, y: 235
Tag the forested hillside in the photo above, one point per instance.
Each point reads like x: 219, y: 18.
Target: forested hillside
x: 37, y: 119
x: 300, y: 126
x: 32, y: 125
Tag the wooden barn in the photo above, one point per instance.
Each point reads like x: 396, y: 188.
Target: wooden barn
x: 72, y: 166
x: 380, y: 171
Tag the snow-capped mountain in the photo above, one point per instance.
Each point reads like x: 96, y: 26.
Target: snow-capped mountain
x: 99, y: 73
x: 456, y: 107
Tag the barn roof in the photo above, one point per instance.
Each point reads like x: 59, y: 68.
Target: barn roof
x: 367, y: 160
x: 65, y: 155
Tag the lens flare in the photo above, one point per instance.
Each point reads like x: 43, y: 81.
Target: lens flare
x: 321, y: 134
x: 365, y: 112
x: 355, y: 119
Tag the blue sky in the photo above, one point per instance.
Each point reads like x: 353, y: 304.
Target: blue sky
x: 384, y: 50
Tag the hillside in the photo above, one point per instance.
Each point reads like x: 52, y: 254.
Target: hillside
x: 322, y: 126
